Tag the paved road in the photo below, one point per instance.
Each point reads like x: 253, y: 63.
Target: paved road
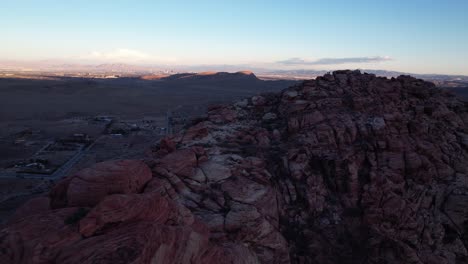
x: 168, y: 122
x: 59, y: 173
x: 65, y: 168
x: 44, y: 148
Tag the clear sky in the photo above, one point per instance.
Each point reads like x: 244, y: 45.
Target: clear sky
x: 420, y: 36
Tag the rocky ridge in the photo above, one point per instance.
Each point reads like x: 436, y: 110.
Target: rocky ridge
x: 347, y: 168
x: 241, y: 76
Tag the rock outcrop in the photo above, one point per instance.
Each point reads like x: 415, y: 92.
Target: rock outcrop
x: 347, y: 168
x: 89, y: 186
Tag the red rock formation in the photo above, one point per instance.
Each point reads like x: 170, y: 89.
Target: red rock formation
x: 89, y: 186
x: 347, y: 168
x: 34, y: 206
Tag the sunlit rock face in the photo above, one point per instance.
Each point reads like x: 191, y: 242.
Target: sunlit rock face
x: 347, y: 168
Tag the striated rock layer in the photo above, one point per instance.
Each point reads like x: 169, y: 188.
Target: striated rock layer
x: 347, y: 168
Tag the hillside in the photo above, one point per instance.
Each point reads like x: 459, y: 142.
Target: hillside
x: 347, y: 168
x: 241, y: 76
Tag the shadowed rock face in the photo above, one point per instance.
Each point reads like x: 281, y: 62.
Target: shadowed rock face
x: 347, y: 168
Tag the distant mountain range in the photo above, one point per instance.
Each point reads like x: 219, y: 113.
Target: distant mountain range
x: 163, y: 71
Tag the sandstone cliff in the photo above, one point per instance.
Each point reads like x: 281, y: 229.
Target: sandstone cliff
x: 347, y: 168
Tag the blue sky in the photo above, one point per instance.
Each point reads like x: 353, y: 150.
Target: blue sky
x: 413, y: 35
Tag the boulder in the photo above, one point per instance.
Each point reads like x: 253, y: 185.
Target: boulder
x: 89, y: 186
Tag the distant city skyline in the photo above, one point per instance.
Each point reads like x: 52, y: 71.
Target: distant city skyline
x: 409, y: 36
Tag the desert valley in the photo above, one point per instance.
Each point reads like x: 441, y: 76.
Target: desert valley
x: 234, y: 132
x: 250, y: 161
x: 53, y: 126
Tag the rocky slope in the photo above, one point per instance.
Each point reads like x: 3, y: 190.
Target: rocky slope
x: 347, y: 168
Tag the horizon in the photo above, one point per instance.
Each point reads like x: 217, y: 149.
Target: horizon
x: 57, y: 66
x: 414, y: 37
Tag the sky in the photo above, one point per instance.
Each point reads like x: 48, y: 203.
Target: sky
x: 416, y: 36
